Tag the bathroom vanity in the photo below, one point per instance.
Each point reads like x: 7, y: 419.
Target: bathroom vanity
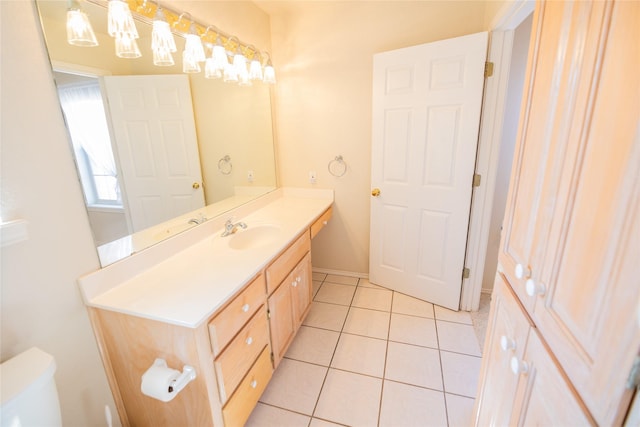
x: 227, y: 306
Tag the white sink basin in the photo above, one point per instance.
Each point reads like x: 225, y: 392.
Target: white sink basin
x: 254, y: 237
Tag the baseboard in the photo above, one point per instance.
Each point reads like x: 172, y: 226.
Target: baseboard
x: 341, y: 273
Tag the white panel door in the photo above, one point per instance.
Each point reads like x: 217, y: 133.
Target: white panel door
x: 155, y: 142
x: 426, y: 115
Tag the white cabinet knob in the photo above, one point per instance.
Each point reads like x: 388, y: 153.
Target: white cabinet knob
x: 298, y: 279
x: 254, y: 384
x: 245, y: 308
x: 534, y: 288
x: 522, y: 271
x: 294, y: 283
x: 249, y: 341
x: 325, y: 222
x: 507, y: 343
x: 519, y: 366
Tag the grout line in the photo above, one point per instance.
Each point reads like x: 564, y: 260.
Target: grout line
x: 444, y: 387
x: 386, y: 360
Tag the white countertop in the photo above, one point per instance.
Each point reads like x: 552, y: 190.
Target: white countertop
x: 187, y: 287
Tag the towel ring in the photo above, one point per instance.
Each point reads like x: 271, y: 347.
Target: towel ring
x: 224, y: 165
x: 337, y: 167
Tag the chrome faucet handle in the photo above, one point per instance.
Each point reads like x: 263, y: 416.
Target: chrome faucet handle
x: 242, y: 225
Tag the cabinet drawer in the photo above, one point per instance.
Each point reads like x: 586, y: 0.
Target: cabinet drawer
x: 228, y: 322
x: 321, y: 222
x: 239, y: 407
x: 237, y: 358
x: 286, y: 262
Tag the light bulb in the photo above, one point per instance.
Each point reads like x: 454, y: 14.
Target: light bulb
x: 79, y: 30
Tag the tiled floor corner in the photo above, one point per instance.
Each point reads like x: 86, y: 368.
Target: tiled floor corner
x: 368, y: 356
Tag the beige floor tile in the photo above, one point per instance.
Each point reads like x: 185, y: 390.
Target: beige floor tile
x: 350, y: 399
x: 313, y: 345
x: 365, y: 283
x: 270, y: 416
x: 316, y: 422
x: 370, y: 323
x: 295, y: 386
x: 335, y: 294
x: 374, y: 299
x: 452, y: 316
x: 460, y: 373
x: 326, y: 316
x: 362, y: 355
x: 318, y: 276
x: 457, y: 337
x: 459, y: 410
x: 404, y: 304
x: 315, y: 284
x: 407, y: 406
x: 414, y: 365
x: 413, y: 330
x: 343, y: 280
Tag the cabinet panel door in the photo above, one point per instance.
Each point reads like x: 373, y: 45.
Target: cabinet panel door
x: 507, y: 334
x: 587, y: 308
x: 301, y: 289
x: 281, y: 319
x: 548, y: 399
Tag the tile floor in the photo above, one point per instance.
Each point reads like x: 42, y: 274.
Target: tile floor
x: 368, y: 356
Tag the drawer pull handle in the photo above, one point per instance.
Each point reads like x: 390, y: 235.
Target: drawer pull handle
x: 507, y: 343
x: 519, y: 366
x: 254, y: 384
x: 522, y: 271
x: 249, y: 341
x: 245, y: 308
x: 534, y: 288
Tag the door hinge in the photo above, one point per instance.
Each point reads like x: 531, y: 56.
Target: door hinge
x: 268, y: 314
x: 465, y: 273
x: 476, y: 180
x: 633, y: 380
x: 488, y: 69
x: 272, y: 358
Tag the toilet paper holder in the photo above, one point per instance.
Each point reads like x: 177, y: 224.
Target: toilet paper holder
x: 164, y: 383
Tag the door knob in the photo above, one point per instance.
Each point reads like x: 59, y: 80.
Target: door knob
x: 195, y: 185
x: 375, y: 192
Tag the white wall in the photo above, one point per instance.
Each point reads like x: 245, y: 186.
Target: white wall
x: 507, y: 145
x: 323, y: 52
x: 41, y: 304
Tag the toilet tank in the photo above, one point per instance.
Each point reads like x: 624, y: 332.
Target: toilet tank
x: 28, y: 391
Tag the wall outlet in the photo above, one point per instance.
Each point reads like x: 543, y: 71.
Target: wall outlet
x: 250, y: 176
x: 313, y: 178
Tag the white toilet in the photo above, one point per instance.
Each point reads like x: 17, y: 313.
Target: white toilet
x: 29, y: 396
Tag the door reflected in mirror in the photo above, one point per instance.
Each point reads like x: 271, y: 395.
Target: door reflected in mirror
x: 157, y: 151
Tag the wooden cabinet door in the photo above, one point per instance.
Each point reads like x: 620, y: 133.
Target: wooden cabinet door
x: 588, y: 294
x: 548, y: 400
x: 281, y: 320
x: 507, y: 334
x: 301, y: 284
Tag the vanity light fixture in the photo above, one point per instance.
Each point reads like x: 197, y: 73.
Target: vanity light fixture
x: 79, y: 29
x: 255, y: 66
x: 240, y: 65
x: 162, y: 42
x: 269, y: 72
x: 193, y: 52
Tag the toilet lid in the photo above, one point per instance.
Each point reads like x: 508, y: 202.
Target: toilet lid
x: 28, y: 370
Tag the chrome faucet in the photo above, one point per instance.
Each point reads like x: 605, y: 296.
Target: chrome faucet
x: 198, y: 220
x: 231, y: 228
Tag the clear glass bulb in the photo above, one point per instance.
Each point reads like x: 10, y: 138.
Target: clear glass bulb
x: 79, y: 30
x: 161, y: 37
x: 127, y: 47
x: 211, y: 71
x: 120, y: 20
x: 189, y: 64
x: 230, y: 73
x: 163, y: 58
x: 240, y: 65
x: 269, y: 74
x: 255, y: 70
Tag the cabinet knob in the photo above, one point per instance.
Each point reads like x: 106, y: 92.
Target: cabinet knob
x: 519, y: 366
x: 245, y: 308
x: 522, y: 271
x: 325, y: 222
x: 254, y: 384
x: 249, y: 341
x: 298, y: 279
x: 534, y: 288
x: 294, y: 283
x: 507, y: 343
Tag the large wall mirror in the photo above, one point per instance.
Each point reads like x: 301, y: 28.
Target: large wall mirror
x: 157, y: 151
